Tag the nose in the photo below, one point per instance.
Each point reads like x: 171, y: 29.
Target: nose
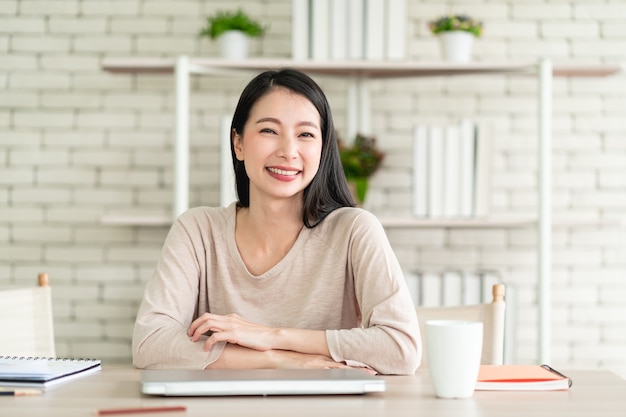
x: 288, y: 148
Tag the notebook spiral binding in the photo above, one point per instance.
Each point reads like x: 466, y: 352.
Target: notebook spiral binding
x: 38, y: 358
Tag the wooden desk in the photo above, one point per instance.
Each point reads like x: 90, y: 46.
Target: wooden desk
x: 594, y: 394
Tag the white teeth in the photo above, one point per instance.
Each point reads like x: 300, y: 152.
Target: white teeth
x: 282, y: 171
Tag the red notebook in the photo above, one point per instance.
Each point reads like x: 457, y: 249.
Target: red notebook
x: 521, y: 378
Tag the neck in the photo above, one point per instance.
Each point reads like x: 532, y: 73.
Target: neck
x: 265, y: 222
x: 264, y: 235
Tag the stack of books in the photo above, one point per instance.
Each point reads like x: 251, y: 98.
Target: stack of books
x: 451, y: 171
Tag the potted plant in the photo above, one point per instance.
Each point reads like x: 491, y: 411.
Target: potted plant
x: 360, y: 160
x: 233, y: 31
x: 456, y: 34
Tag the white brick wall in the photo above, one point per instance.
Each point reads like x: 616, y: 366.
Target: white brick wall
x: 76, y: 142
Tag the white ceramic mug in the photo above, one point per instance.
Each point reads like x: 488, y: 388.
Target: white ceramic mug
x: 454, y: 353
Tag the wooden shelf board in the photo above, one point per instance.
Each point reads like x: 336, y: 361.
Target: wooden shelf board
x: 477, y: 223
x: 359, y: 68
x: 136, y: 219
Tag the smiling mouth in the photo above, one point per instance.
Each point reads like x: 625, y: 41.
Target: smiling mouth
x: 282, y: 171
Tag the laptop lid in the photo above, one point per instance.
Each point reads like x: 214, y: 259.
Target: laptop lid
x: 222, y: 382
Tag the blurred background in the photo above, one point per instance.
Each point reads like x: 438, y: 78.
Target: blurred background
x: 79, y: 143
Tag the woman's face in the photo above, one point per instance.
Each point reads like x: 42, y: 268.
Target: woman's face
x: 281, y: 145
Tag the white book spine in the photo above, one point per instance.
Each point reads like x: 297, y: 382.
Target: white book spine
x: 228, y: 192
x: 482, y: 184
x: 451, y: 174
x: 467, y: 163
x: 355, y: 29
x: 338, y: 29
x: 435, y: 172
x: 320, y: 41
x: 300, y: 29
x: 375, y: 32
x: 471, y: 288
x: 420, y: 171
x: 412, y: 282
x: 396, y: 29
x: 430, y: 290
x: 452, y: 288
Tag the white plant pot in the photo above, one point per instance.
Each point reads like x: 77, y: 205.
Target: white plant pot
x: 456, y: 45
x: 234, y: 45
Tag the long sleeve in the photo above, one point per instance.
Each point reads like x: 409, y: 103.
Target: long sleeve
x: 389, y: 339
x: 341, y: 277
x: 170, y: 304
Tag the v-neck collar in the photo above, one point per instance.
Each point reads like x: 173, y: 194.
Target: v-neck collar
x: 276, y: 268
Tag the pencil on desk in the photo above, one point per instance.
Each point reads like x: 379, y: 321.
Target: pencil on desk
x: 137, y: 410
x: 20, y: 392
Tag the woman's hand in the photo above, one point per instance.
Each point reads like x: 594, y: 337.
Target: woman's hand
x: 285, y: 359
x: 253, y: 343
x: 236, y: 330
x: 233, y: 329
x: 239, y: 357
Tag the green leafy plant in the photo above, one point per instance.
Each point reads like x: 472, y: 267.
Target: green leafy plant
x: 456, y: 22
x: 360, y: 160
x: 223, y: 21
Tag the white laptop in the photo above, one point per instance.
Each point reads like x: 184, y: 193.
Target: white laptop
x: 218, y: 382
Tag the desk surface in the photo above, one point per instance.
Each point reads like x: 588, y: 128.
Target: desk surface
x: 594, y: 393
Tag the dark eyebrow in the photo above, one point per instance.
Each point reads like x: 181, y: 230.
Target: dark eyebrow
x: 274, y: 120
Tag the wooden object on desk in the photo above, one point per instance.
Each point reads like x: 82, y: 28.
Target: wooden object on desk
x: 490, y: 314
x: 26, y: 325
x: 43, y: 280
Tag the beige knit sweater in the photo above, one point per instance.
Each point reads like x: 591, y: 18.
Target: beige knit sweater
x: 341, y: 276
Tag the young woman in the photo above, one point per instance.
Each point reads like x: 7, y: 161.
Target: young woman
x: 291, y: 275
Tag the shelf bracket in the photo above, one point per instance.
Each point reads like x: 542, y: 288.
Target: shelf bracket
x: 181, y: 151
x: 544, y: 261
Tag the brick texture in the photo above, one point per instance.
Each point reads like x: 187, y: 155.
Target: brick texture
x: 77, y: 143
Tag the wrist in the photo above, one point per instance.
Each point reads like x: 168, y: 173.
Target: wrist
x: 280, y: 338
x: 272, y: 358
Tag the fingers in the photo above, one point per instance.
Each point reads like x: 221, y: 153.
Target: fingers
x: 226, y: 326
x: 201, y: 325
x: 290, y: 359
x: 367, y: 370
x: 216, y: 338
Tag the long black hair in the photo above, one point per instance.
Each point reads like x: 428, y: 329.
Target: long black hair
x: 328, y: 190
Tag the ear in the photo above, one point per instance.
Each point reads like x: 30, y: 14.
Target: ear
x: 237, y: 144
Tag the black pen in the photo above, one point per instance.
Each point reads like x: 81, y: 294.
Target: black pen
x: 551, y: 369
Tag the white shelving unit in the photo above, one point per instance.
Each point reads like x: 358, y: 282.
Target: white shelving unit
x: 357, y: 72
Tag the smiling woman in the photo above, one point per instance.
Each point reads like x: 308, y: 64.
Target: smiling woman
x: 281, y: 154
x: 292, y: 275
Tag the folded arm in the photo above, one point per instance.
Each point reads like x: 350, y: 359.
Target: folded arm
x: 250, y: 345
x: 234, y: 329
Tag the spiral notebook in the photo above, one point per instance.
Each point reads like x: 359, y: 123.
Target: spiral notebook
x: 42, y: 373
